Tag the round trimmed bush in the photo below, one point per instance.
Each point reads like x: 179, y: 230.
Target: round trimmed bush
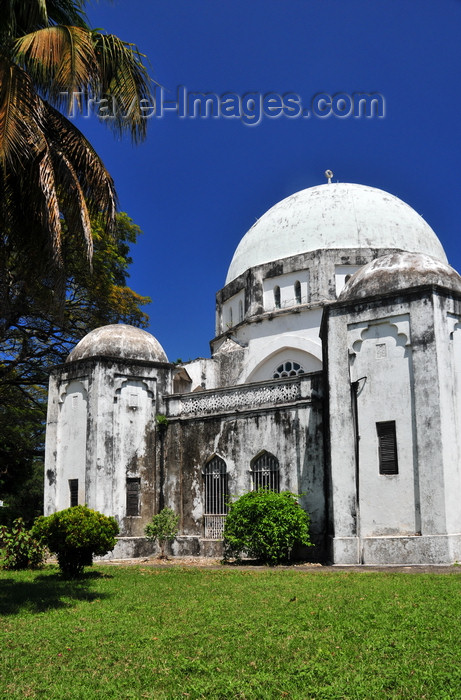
x: 266, y: 526
x: 75, y: 535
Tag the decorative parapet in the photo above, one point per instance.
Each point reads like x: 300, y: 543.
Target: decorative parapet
x: 246, y: 397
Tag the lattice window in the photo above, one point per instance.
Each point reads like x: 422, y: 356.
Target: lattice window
x: 387, y: 447
x: 133, y: 496
x: 73, y: 492
x: 288, y: 369
x: 265, y: 472
x: 215, y: 477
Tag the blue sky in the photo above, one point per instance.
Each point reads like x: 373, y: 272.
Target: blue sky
x: 195, y: 186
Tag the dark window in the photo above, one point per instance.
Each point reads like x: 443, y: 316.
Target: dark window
x: 265, y: 472
x: 387, y: 447
x: 215, y: 475
x: 133, y: 494
x: 298, y: 292
x: 277, y: 297
x: 73, y: 491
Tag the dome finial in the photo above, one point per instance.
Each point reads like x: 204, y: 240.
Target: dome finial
x: 329, y: 175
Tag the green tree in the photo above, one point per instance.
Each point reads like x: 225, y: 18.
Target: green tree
x: 51, y: 61
x: 265, y: 525
x: 162, y: 528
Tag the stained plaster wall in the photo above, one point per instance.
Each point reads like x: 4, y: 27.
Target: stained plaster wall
x: 116, y: 434
x: 292, y: 433
x: 268, y: 332
x: 412, y: 517
x: 320, y: 266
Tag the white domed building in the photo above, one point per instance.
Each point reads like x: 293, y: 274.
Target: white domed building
x: 335, y: 374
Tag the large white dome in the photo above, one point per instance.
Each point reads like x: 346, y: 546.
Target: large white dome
x: 336, y: 215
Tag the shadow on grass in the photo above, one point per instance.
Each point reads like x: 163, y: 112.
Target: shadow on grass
x: 47, y: 591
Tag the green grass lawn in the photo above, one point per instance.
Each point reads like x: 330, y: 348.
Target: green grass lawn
x: 141, y: 632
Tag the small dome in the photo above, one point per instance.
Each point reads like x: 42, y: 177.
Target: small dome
x: 337, y: 215
x: 399, y: 271
x: 119, y: 341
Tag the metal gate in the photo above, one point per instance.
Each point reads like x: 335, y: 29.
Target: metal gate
x: 215, y: 476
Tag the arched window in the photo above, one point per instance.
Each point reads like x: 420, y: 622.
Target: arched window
x: 240, y: 311
x: 265, y: 472
x: 230, y: 316
x: 298, y: 292
x: 288, y: 369
x: 215, y: 477
x: 277, y: 297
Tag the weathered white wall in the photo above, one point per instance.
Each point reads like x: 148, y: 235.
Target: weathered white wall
x: 380, y: 353
x: 233, y: 312
x: 238, y: 425
x: 406, y: 362
x: 286, y: 284
x: 342, y: 274
x: 71, y: 441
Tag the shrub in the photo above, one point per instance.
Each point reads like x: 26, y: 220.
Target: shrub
x: 75, y: 535
x: 21, y: 550
x: 265, y: 525
x: 163, y: 527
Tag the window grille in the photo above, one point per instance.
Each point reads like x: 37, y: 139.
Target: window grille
x: 277, y: 297
x: 387, y: 447
x: 265, y: 473
x: 288, y: 369
x: 73, y: 492
x: 215, y: 476
x: 298, y: 292
x: 133, y: 496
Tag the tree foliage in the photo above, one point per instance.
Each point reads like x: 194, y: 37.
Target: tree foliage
x: 75, y: 535
x: 50, y: 60
x: 266, y: 526
x: 162, y: 528
x: 21, y: 550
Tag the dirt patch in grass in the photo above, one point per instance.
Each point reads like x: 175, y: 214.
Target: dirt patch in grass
x: 214, y: 563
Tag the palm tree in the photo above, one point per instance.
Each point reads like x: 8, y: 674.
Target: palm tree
x: 49, y: 59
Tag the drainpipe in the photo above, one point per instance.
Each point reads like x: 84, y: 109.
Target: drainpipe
x: 355, y: 422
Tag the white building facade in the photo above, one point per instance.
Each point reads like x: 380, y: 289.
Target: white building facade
x: 335, y: 374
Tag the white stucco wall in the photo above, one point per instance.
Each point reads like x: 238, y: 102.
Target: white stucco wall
x: 381, y: 354
x: 286, y: 284
x: 71, y: 441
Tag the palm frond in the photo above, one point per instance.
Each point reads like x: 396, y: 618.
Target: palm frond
x: 61, y: 61
x: 21, y: 137
x: 49, y: 209
x: 72, y: 201
x: 19, y: 17
x: 124, y: 78
x: 96, y: 184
